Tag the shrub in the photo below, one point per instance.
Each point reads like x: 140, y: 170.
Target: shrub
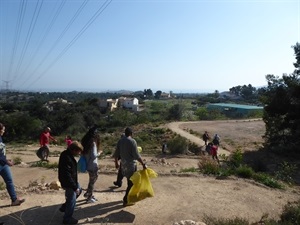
x: 209, y: 167
x: 187, y: 170
x: 2, y: 186
x: 194, y: 148
x: 244, y: 171
x: 236, y: 159
x: 291, y: 213
x: 17, y: 160
x: 285, y: 172
x: 267, y: 180
x: 222, y: 221
x: 45, y: 165
x: 178, y: 145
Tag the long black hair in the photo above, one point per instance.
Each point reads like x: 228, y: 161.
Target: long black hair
x: 93, y: 135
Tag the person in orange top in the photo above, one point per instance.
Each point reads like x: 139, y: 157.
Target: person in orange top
x: 45, y: 138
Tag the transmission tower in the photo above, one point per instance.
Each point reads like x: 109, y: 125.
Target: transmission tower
x: 6, y: 85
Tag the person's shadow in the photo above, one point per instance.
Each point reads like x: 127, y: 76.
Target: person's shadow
x: 50, y: 215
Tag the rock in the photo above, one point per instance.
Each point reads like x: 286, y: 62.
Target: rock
x: 55, y: 185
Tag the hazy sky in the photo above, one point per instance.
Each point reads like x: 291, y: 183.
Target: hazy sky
x: 167, y: 45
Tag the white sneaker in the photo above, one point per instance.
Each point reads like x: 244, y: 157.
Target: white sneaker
x: 91, y: 200
x: 93, y: 197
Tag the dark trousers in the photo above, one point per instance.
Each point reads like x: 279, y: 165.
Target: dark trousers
x: 129, y: 185
x: 120, y: 176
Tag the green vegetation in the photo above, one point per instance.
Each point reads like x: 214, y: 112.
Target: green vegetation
x: 17, y: 160
x: 45, y: 164
x: 177, y: 145
x: 289, y: 216
x: 2, y: 186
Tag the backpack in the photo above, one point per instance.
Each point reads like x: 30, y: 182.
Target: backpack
x: 82, y: 164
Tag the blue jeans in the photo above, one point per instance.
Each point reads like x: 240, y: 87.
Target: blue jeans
x: 7, y: 177
x: 70, y: 203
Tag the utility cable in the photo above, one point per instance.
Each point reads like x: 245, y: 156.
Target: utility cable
x: 56, y: 14
x: 58, y: 39
x: 94, y: 17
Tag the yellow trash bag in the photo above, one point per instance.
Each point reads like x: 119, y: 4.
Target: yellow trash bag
x: 142, y: 187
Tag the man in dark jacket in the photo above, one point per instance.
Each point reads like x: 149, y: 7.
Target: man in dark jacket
x: 67, y: 175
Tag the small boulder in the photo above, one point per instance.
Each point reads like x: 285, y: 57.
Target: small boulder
x: 55, y: 185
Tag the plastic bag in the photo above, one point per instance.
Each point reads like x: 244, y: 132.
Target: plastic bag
x: 42, y: 152
x: 142, y: 187
x: 82, y: 164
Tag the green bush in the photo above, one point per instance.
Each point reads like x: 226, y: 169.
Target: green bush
x: 17, y: 160
x: 187, y: 170
x: 236, y: 159
x: 222, y: 221
x: 244, y: 171
x: 2, y: 186
x: 291, y: 213
x: 286, y: 172
x: 177, y: 145
x: 45, y: 165
x: 209, y: 167
x: 267, y: 180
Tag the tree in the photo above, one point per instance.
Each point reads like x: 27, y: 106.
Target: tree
x: 176, y: 112
x: 282, y: 109
x: 148, y: 93
x: 157, y: 94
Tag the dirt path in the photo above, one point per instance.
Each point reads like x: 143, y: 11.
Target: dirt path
x: 175, y: 127
x: 178, y: 196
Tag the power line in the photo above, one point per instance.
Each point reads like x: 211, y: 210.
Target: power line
x: 79, y: 10
x: 29, y: 33
x: 17, y: 35
x: 86, y: 26
x: 56, y: 14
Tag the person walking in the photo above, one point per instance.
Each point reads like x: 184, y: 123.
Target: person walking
x: 68, y: 140
x: 120, y: 175
x: 216, y: 140
x: 205, y: 137
x: 68, y: 177
x: 5, y: 172
x: 127, y: 151
x: 91, y: 151
x: 45, y: 138
x: 214, y: 152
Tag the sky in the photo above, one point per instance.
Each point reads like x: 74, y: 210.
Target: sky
x: 195, y: 46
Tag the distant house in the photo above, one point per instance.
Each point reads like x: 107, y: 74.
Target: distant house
x: 131, y: 103
x: 165, y: 95
x: 235, y: 110
x: 108, y: 104
x: 51, y: 104
x: 229, y: 95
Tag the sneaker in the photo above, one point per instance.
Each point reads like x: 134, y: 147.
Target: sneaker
x: 117, y: 184
x: 91, y: 200
x: 17, y: 202
x: 70, y: 221
x: 93, y: 197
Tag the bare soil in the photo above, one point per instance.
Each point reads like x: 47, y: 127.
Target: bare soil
x: 178, y: 196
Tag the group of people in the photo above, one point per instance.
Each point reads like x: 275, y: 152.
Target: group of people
x: 212, y: 147
x: 126, y: 156
x: 126, y: 152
